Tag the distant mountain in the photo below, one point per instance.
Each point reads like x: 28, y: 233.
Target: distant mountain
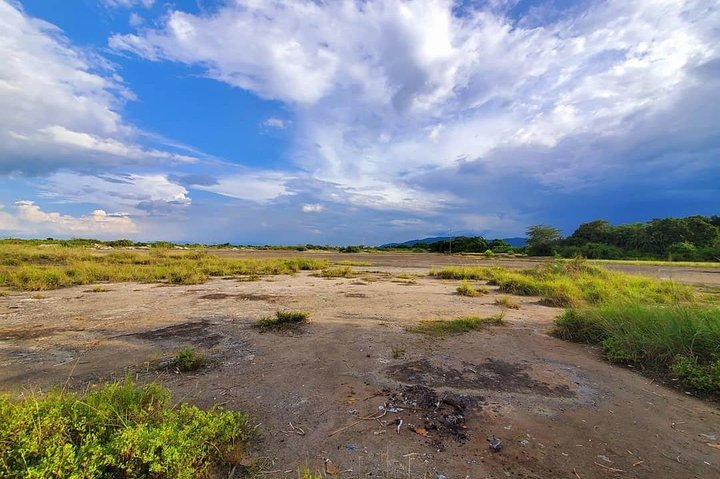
x: 516, y: 242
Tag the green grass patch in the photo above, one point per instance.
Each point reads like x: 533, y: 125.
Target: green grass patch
x: 283, y: 321
x: 467, y: 289
x: 118, y: 430
x: 27, y: 268
x: 575, y: 283
x: 187, y: 360
x: 335, y: 272
x: 456, y: 326
x: 680, y: 340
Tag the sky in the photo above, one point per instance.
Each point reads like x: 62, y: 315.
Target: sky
x: 353, y: 122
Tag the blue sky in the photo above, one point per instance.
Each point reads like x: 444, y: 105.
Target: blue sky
x: 338, y: 122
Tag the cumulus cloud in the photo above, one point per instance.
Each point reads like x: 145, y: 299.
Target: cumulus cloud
x: 59, y: 105
x: 386, y: 91
x: 27, y: 218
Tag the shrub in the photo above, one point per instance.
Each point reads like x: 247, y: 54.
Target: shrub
x: 118, y: 430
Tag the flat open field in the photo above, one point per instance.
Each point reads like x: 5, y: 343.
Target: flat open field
x: 560, y: 409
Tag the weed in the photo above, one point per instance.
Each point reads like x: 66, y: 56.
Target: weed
x: 398, y: 352
x: 39, y: 296
x: 575, y: 283
x: 683, y: 340
x: 456, y: 326
x: 187, y: 360
x: 98, y: 289
x: 3, y: 294
x: 283, y: 320
x: 335, y: 272
x: 507, y: 302
x: 116, y: 430
x: 467, y: 289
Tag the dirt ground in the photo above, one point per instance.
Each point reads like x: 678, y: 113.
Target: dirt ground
x: 357, y: 388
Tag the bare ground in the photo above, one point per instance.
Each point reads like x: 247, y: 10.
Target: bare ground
x: 559, y: 408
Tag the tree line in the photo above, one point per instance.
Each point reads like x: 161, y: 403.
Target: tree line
x: 692, y: 238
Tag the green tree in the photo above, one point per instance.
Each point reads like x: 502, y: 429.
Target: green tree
x: 541, y: 238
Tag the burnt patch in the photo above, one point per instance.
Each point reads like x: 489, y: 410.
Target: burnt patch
x: 241, y: 297
x: 197, y: 333
x: 32, y: 332
x: 493, y: 374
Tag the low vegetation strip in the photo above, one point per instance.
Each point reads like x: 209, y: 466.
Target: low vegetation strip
x: 119, y: 430
x: 34, y: 268
x: 681, y: 340
x: 456, y: 326
x: 575, y: 283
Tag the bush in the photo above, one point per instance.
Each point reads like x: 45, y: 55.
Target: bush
x: 119, y: 430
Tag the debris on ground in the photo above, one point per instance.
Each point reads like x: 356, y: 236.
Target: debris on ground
x: 330, y: 468
x: 496, y: 444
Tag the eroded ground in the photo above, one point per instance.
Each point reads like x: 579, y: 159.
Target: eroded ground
x: 357, y: 388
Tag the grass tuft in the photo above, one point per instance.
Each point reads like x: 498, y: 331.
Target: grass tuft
x: 467, y: 289
x: 456, y: 326
x: 283, y: 321
x: 116, y: 430
x: 336, y: 272
x: 507, y: 302
x: 187, y: 360
x: 681, y: 340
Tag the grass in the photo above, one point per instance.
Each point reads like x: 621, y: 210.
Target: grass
x: 398, y: 352
x: 678, y: 340
x: 575, y: 283
x: 456, y: 326
x: 118, y: 430
x: 33, y: 268
x: 98, y: 289
x: 507, y: 302
x: 283, y: 321
x: 335, y: 272
x: 187, y: 360
x: 467, y: 289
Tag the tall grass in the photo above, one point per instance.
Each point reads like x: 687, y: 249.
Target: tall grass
x: 117, y: 430
x: 34, y: 268
x: 683, y: 340
x: 575, y: 283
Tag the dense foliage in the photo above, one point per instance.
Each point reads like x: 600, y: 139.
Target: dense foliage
x: 694, y: 238
x: 119, y: 430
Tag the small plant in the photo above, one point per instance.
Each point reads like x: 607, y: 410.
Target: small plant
x: 467, y: 289
x: 98, y: 289
x: 456, y: 326
x: 507, y: 302
x: 38, y: 296
x: 187, y: 360
x: 283, y: 320
x: 398, y: 352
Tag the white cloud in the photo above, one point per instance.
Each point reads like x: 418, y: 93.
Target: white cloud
x: 59, y: 105
x: 386, y: 91
x: 140, y: 194
x: 257, y: 187
x: 312, y: 208
x: 274, y: 122
x: 28, y: 218
x: 128, y: 3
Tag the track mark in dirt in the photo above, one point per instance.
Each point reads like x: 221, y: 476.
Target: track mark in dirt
x: 245, y: 297
x: 493, y: 374
x: 33, y: 332
x: 198, y: 333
